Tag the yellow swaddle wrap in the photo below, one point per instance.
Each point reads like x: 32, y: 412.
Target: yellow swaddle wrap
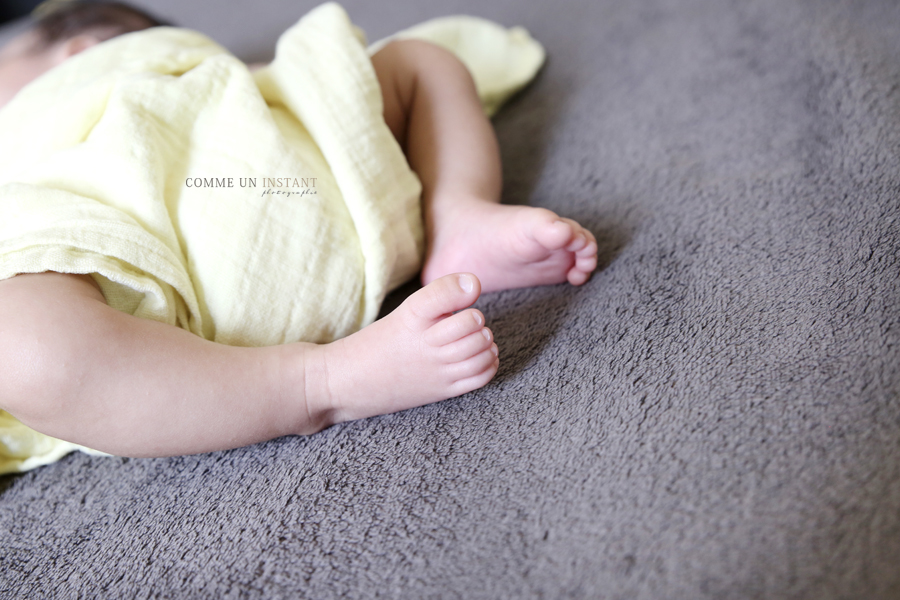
x: 250, y: 209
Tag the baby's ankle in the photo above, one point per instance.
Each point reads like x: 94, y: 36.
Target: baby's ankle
x: 306, y: 375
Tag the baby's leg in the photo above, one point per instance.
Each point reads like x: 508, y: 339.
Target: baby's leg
x: 75, y: 368
x: 431, y: 106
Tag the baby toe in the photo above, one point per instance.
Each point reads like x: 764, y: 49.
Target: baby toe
x: 578, y: 243
x: 588, y: 250
x: 469, y: 346
x: 439, y: 298
x: 551, y: 231
x: 577, y: 277
x: 454, y: 327
x: 477, y: 380
x: 479, y: 363
x: 586, y: 262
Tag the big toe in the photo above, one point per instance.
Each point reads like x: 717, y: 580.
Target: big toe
x: 551, y: 231
x: 442, y: 297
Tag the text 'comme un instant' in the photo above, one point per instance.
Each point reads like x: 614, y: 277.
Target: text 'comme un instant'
x: 251, y: 182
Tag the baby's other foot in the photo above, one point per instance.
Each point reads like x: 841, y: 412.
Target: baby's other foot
x: 509, y: 246
x: 422, y: 352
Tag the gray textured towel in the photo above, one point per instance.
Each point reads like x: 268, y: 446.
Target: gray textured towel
x: 716, y: 414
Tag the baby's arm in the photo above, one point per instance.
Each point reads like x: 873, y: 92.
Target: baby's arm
x: 75, y: 368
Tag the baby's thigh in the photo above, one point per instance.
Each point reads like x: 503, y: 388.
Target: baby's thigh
x: 397, y: 81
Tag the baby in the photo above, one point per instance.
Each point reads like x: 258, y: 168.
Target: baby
x: 77, y: 369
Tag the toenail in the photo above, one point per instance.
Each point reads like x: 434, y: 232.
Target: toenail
x: 466, y: 283
x: 495, y: 351
x: 486, y: 333
x: 478, y: 319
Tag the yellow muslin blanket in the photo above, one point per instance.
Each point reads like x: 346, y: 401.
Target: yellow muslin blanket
x: 248, y: 208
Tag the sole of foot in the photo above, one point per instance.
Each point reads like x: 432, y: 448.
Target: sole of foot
x: 511, y: 247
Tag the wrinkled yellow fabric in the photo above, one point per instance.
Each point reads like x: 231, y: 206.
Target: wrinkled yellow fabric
x: 118, y: 162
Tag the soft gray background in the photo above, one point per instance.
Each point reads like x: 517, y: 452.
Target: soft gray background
x: 714, y: 415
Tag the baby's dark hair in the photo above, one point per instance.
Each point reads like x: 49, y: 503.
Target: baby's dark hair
x: 61, y: 21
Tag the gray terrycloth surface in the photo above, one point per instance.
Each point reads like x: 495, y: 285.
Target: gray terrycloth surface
x: 714, y: 415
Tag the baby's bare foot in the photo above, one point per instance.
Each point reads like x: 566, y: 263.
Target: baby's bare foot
x: 509, y: 246
x: 420, y: 353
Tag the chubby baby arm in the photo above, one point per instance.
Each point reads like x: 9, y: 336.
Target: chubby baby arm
x: 74, y: 368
